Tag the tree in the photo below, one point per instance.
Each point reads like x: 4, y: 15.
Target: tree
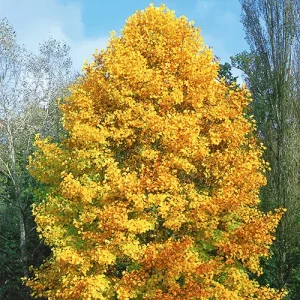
x: 153, y: 194
x: 29, y: 86
x: 225, y: 72
x: 272, y: 74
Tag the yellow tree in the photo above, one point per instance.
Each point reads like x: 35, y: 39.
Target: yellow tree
x: 154, y: 193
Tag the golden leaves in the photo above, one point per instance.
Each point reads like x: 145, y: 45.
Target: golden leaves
x: 154, y: 192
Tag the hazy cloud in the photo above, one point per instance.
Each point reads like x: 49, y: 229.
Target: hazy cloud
x: 37, y: 20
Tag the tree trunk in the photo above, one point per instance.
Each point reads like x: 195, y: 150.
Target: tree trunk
x: 23, y: 245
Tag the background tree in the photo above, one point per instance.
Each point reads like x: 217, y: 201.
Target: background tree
x: 272, y: 74
x: 225, y: 72
x: 29, y: 87
x: 153, y: 193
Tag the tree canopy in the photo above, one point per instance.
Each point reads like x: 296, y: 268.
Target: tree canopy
x: 153, y: 194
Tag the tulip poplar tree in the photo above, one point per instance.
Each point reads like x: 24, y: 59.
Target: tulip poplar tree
x: 154, y: 192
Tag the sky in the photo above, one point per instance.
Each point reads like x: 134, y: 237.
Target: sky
x: 85, y: 24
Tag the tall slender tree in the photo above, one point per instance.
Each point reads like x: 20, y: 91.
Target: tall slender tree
x: 272, y: 74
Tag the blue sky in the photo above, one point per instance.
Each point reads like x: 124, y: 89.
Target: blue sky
x: 219, y: 19
x: 85, y: 24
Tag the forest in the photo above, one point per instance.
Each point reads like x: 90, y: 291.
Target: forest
x: 154, y: 173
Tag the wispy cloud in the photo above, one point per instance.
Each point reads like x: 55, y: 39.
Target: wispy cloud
x: 36, y: 20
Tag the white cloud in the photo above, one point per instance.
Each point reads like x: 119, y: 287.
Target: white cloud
x: 36, y: 20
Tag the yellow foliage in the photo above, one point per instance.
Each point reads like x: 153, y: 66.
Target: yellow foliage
x: 154, y: 193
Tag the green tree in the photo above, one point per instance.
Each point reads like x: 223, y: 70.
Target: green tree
x: 272, y: 75
x: 225, y: 72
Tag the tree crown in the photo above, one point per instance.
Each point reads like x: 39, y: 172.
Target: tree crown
x: 154, y: 193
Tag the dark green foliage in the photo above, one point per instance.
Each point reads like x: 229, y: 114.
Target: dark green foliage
x: 11, y: 269
x: 225, y: 72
